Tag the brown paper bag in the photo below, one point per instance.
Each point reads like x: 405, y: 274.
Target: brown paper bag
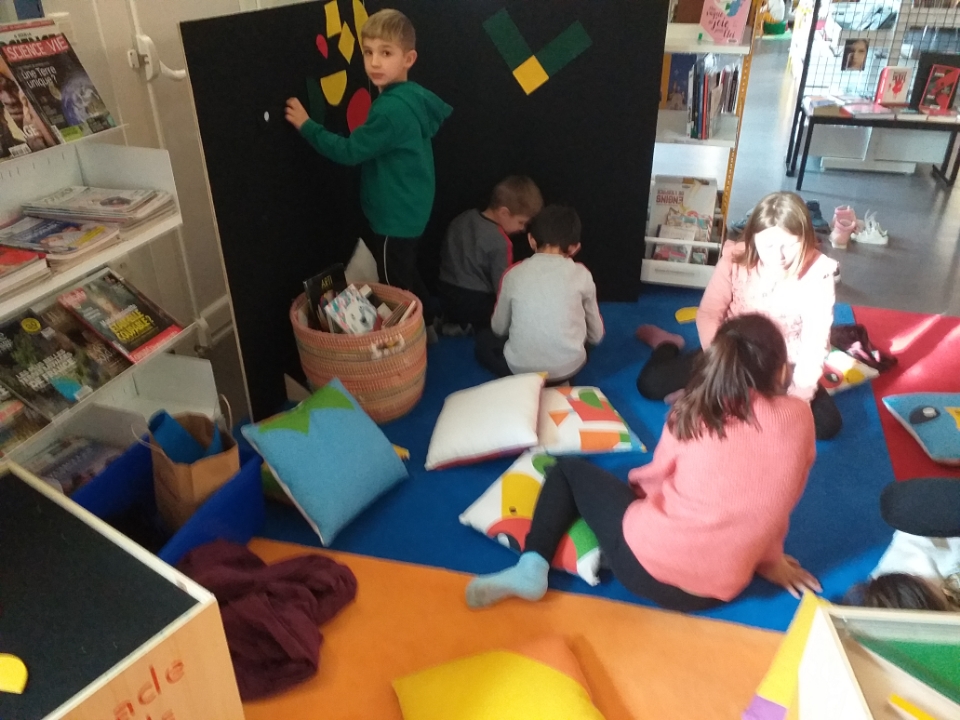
x: 181, y: 489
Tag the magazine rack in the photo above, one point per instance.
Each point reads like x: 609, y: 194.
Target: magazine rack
x: 690, y: 38
x: 96, y: 163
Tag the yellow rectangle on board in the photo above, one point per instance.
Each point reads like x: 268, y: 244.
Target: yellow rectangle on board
x: 531, y: 74
x: 346, y: 43
x: 332, y: 11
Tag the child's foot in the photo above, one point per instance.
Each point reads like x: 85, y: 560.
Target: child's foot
x: 654, y: 336
x: 527, y: 579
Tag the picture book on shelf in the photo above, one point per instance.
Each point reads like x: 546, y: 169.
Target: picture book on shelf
x: 22, y: 129
x: 43, y: 368
x: 941, y: 88
x: 674, y: 81
x: 17, y: 421
x: 893, y: 87
x: 725, y: 20
x: 684, y: 203
x: 51, y: 76
x: 121, y: 315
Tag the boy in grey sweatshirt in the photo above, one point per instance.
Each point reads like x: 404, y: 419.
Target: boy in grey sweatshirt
x: 546, y: 313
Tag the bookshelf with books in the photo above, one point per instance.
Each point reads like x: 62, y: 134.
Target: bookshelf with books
x: 117, y: 383
x: 703, y: 90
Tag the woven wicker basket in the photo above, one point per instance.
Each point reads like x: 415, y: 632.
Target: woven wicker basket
x: 384, y: 370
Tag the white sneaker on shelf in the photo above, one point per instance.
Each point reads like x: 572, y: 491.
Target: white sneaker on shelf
x: 872, y: 233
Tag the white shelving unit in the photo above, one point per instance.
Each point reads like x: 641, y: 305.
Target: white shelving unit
x: 136, y: 391
x: 690, y: 38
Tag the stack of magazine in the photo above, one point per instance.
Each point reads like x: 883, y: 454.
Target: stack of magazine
x: 19, y: 268
x: 50, y: 98
x: 63, y: 243
x: 127, y: 209
x: 56, y: 354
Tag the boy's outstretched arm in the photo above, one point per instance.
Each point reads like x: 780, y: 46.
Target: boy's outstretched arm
x: 375, y: 136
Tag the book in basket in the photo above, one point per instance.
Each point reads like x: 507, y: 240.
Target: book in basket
x: 43, y: 368
x: 52, y: 77
x: 121, y: 315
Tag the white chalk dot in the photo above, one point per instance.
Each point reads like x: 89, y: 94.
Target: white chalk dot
x: 266, y: 116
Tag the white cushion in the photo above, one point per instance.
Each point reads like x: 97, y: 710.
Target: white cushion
x: 498, y: 418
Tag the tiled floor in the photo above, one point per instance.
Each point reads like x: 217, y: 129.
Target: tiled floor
x: 920, y: 269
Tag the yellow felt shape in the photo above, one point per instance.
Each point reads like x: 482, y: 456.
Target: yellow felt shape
x: 686, y: 315
x: 332, y: 12
x: 530, y: 74
x: 346, y: 43
x: 334, y: 86
x: 13, y: 674
x: 359, y: 16
x: 498, y: 685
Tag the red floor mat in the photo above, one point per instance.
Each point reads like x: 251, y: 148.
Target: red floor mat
x: 928, y: 350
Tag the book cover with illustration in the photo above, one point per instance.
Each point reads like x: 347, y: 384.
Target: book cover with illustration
x: 893, y: 88
x: 22, y: 129
x: 683, y: 203
x: 940, y: 90
x: 120, y: 314
x: 675, y: 80
x: 51, y: 76
x: 43, y: 368
x: 725, y: 20
x: 56, y: 237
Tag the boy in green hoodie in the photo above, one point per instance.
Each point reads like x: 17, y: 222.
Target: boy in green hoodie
x: 394, y: 151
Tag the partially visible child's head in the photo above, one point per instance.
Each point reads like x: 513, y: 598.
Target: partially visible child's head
x: 389, y: 43
x: 513, y: 202
x: 779, y: 234
x: 555, y: 228
x: 900, y: 591
x: 748, y: 354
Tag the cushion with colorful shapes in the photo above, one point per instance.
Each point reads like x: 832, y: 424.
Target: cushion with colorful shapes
x: 580, y: 420
x: 934, y: 421
x: 842, y: 371
x: 329, y: 457
x: 537, y: 680
x: 505, y: 510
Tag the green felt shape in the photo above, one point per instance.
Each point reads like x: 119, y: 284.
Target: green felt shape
x: 936, y: 664
x: 298, y: 419
x: 564, y: 48
x: 316, y: 104
x: 507, y: 39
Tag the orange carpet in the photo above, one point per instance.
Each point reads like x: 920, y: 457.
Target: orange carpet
x: 640, y: 663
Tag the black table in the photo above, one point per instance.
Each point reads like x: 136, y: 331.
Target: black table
x: 809, y: 122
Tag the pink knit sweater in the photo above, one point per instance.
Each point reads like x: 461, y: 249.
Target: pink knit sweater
x: 717, y: 510
x: 801, y: 306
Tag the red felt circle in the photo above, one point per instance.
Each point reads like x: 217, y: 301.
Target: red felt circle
x: 358, y: 109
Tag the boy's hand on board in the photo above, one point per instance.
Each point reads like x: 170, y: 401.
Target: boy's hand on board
x: 295, y: 113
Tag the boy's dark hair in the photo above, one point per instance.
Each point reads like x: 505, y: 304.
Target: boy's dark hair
x: 518, y: 194
x: 747, y: 354
x: 556, y: 225
x: 898, y: 591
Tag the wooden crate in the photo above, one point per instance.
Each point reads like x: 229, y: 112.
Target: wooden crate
x: 840, y: 679
x: 107, y: 631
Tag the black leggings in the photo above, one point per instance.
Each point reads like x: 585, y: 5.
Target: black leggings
x: 488, y: 351
x: 669, y: 370
x: 397, y: 266
x: 926, y: 506
x: 575, y: 488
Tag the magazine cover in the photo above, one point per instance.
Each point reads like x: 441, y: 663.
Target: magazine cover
x: 12, y: 260
x: 43, y: 368
x: 83, y: 199
x: 52, y: 77
x: 22, y: 129
x: 17, y: 421
x: 121, y: 315
x: 55, y: 237
x: 683, y: 203
x: 941, y: 88
x: 64, y: 322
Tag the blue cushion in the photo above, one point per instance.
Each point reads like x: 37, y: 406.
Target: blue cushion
x: 329, y: 456
x: 934, y: 421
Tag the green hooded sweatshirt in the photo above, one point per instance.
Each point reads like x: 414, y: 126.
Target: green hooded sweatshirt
x: 395, y: 153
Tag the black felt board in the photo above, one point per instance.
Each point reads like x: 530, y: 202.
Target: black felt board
x: 586, y: 137
x: 72, y: 604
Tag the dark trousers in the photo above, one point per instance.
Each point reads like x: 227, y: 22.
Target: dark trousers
x: 466, y: 307
x: 397, y: 266
x: 488, y: 351
x: 669, y: 370
x: 575, y: 488
x: 925, y: 506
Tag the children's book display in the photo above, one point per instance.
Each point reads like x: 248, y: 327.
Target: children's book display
x: 893, y: 89
x: 334, y: 306
x: 702, y: 86
x: 40, y: 59
x: 725, y: 20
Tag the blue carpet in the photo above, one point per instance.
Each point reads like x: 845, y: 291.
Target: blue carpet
x: 836, y: 530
